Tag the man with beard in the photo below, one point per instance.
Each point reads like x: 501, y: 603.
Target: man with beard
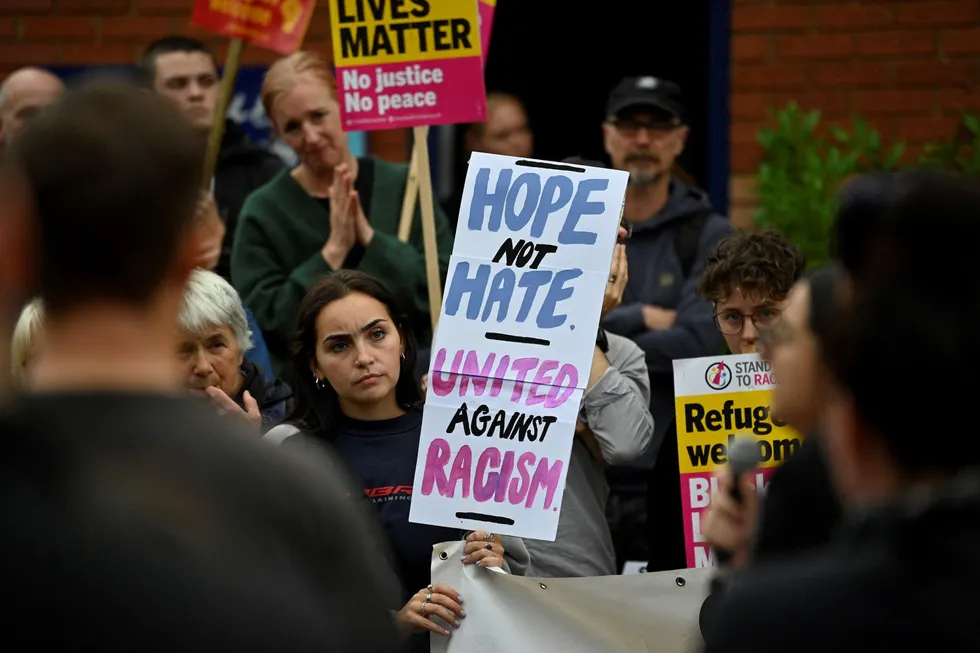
x: 133, y: 516
x: 673, y: 230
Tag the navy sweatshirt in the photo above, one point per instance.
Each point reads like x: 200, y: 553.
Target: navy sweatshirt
x: 382, y: 456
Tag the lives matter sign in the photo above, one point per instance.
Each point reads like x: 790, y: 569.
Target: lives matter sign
x: 407, y: 63
x: 719, y: 399
x: 278, y: 25
x: 513, y: 351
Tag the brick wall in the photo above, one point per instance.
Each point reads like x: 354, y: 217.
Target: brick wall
x: 91, y: 32
x: 909, y: 67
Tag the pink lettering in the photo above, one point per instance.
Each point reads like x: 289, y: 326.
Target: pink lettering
x: 564, y: 385
x: 522, y: 366
x: 473, y: 375
x: 473, y: 372
x: 435, y: 468
x: 541, y: 378
x: 461, y: 471
x: 442, y: 386
x: 546, y: 477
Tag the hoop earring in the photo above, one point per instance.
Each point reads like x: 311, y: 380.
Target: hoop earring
x: 318, y: 383
x: 403, y: 358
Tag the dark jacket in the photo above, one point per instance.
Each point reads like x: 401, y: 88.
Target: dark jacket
x: 242, y: 167
x: 274, y: 397
x: 901, y: 577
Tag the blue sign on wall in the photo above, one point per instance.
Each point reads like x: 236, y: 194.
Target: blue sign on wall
x: 245, y: 107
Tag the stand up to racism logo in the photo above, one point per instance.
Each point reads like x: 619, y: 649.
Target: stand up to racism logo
x: 718, y: 376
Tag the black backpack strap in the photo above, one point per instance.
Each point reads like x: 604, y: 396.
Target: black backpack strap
x: 687, y: 238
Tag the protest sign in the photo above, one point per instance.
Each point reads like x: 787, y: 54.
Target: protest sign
x: 278, y: 25
x: 515, y: 343
x: 487, y: 8
x: 612, y: 614
x: 718, y: 399
x: 407, y: 63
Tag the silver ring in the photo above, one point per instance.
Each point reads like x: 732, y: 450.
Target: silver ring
x: 422, y: 610
x: 429, y: 587
x: 612, y: 278
x: 488, y: 537
x: 428, y: 598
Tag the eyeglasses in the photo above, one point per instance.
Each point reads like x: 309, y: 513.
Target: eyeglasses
x: 631, y: 127
x: 732, y: 322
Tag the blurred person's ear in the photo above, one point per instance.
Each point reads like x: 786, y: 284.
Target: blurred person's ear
x: 18, y: 254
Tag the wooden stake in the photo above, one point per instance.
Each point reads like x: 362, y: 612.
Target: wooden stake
x: 228, y: 76
x: 411, y: 190
x: 428, y: 226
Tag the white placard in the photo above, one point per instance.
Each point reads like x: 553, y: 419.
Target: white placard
x: 514, y: 347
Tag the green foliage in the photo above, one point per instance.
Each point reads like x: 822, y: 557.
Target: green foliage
x: 803, y: 166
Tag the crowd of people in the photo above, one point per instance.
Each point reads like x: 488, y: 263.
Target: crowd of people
x: 212, y: 381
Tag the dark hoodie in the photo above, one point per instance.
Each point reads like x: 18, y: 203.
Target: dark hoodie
x: 275, y: 398
x: 242, y: 167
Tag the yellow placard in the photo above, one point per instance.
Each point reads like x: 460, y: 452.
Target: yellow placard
x: 369, y: 32
x: 708, y: 424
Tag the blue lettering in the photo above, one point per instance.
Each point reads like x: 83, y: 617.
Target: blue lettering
x: 557, y: 192
x: 582, y: 206
x: 531, y: 183
x: 462, y: 284
x: 483, y: 198
x: 501, y: 291
x: 531, y: 281
x: 547, y: 318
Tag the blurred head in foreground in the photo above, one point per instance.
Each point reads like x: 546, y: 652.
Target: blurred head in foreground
x: 354, y: 352
x: 747, y: 278
x: 110, y: 219
x: 26, y: 342
x: 906, y: 348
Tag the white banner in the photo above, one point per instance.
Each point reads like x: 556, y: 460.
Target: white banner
x: 638, y: 613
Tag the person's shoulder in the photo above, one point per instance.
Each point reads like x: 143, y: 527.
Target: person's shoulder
x: 621, y: 349
x: 269, y: 195
x: 389, y: 173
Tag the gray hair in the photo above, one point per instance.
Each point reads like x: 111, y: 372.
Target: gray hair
x: 210, y: 301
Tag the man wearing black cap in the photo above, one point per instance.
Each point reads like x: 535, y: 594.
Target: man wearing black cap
x: 674, y: 228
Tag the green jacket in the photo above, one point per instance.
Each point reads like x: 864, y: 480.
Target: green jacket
x: 281, y: 232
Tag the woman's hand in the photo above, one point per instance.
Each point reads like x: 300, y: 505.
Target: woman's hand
x: 365, y: 232
x: 729, y: 524
x: 227, y: 405
x: 616, y: 284
x: 343, y: 232
x: 433, y: 601
x: 211, y: 232
x: 483, y: 549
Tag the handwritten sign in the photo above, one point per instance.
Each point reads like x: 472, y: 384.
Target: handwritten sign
x: 408, y: 63
x: 718, y: 399
x: 514, y: 348
x: 278, y: 25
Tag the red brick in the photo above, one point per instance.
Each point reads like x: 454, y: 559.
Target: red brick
x: 895, y: 42
x: 390, y: 144
x: 751, y: 106
x: 752, y: 76
x: 90, y: 55
x: 814, y: 46
x: 853, y: 74
x: 322, y: 48
x: 743, y: 133
x: 7, y: 27
x: 27, y: 5
x: 57, y: 27
x: 832, y: 104
x: 28, y: 54
x: 895, y: 102
x: 927, y: 129
x: 961, y: 41
x: 744, y: 158
x: 165, y: 6
x: 769, y: 18
x: 938, y: 13
x: 256, y: 56
x: 95, y: 6
x: 741, y: 190
x: 750, y: 48
x: 935, y: 74
x: 959, y: 100
x: 130, y: 28
x: 742, y: 217
x: 852, y: 16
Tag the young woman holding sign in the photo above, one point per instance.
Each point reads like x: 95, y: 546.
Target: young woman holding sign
x: 355, y: 351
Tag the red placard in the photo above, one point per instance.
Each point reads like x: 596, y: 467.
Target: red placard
x: 278, y: 25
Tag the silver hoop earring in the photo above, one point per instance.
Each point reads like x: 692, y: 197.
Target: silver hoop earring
x: 403, y: 358
x: 319, y: 383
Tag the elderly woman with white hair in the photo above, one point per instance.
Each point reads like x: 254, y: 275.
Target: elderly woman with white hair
x: 213, y: 340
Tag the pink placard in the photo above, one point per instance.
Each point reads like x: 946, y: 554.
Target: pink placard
x: 486, y: 25
x: 696, y: 490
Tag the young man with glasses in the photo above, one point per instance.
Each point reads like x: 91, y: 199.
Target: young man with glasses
x: 747, y: 279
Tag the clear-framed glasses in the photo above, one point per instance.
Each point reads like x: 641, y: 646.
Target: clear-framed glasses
x: 731, y: 322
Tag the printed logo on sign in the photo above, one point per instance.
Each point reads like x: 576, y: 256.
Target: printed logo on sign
x: 718, y: 376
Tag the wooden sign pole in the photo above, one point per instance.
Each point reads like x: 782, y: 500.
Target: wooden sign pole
x: 228, y: 76
x: 428, y: 224
x: 411, y: 189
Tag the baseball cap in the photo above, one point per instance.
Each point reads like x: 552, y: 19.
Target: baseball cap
x: 635, y: 92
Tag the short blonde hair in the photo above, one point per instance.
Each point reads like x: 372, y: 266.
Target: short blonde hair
x: 23, y: 341
x: 282, y: 75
